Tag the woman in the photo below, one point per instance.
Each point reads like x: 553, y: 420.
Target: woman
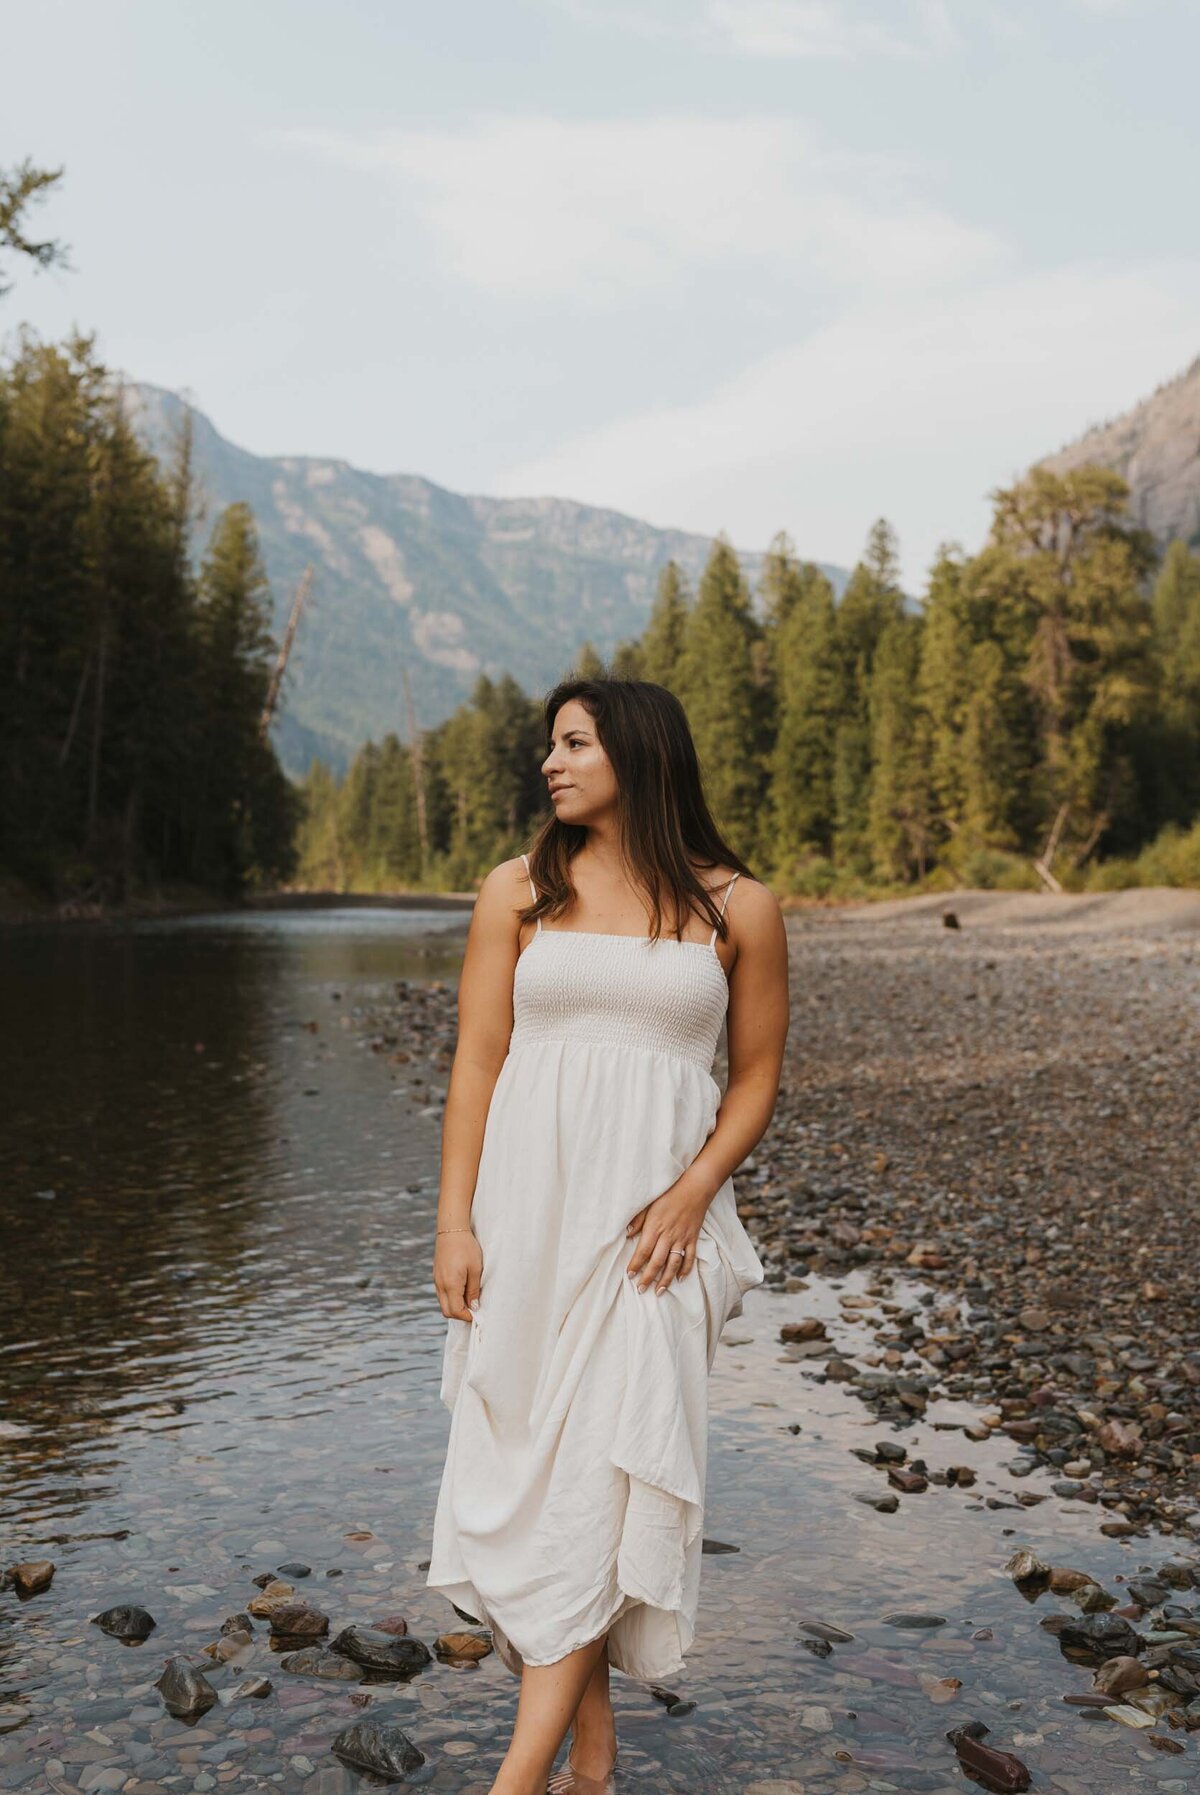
x: 585, y: 1139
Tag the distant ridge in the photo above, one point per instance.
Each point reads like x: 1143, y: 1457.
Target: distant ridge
x: 1156, y: 448
x: 406, y: 571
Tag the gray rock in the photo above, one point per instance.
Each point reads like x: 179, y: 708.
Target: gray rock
x: 125, y: 1622
x: 186, y: 1692
x: 384, y: 1750
x: 381, y: 1652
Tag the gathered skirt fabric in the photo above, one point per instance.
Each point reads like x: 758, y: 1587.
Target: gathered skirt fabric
x: 572, y: 1494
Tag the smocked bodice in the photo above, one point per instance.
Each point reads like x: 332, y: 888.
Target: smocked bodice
x: 663, y: 996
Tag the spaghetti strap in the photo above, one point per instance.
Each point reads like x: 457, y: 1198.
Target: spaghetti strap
x: 712, y: 940
x: 533, y: 888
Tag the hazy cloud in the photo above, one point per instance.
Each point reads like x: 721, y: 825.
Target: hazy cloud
x: 601, y: 213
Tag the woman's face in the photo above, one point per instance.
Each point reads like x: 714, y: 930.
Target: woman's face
x: 578, y: 772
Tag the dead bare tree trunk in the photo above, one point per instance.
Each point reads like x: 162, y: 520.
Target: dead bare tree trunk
x: 1041, y: 865
x: 285, y: 649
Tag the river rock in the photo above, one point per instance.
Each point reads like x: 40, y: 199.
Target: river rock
x: 1027, y: 1567
x: 462, y: 1645
x: 1119, y: 1675
x: 1100, y: 1635
x: 1091, y: 1598
x: 126, y: 1622
x: 186, y: 1691
x: 296, y: 1620
x: 229, y: 1646
x: 383, y: 1750
x: 379, y: 1651
x: 1064, y: 1582
x: 31, y: 1577
x: 252, y: 1689
x: 317, y: 1661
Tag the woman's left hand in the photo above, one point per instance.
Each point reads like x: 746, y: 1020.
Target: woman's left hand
x: 673, y: 1219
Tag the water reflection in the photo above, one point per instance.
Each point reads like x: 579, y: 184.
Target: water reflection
x: 219, y: 1353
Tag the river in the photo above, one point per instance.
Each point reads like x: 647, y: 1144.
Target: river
x: 220, y: 1352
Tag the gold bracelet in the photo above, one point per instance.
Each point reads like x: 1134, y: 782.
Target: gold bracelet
x: 455, y: 1230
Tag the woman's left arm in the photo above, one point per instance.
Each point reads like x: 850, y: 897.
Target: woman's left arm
x: 757, y: 1026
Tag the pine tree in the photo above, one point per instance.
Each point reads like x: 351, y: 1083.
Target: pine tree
x: 1076, y: 570
x: 871, y: 601
x: 898, y: 816
x: 717, y: 689
x: 1176, y: 608
x: 663, y: 638
x: 801, y: 631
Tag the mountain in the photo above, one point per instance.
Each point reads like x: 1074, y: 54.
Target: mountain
x: 1156, y: 448
x: 406, y: 571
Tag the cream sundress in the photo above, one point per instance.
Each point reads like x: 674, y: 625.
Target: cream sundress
x: 572, y: 1494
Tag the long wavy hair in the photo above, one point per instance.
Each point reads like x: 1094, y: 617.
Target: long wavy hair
x: 665, y: 826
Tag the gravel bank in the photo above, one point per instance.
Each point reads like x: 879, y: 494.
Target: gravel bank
x: 1011, y: 1108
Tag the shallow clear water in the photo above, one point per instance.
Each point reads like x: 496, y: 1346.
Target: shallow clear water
x: 220, y: 1350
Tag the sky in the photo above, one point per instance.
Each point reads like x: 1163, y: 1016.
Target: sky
x: 739, y: 265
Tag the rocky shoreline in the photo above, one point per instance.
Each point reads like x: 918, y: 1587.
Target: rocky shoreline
x: 1006, y: 1110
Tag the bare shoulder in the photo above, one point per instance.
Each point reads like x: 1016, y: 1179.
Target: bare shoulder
x: 753, y: 914
x: 503, y: 892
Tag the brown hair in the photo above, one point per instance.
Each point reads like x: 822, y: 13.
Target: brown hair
x: 663, y: 819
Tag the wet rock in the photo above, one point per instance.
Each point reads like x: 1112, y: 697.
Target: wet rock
x: 1129, y: 1715
x: 890, y: 1452
x: 297, y: 1620
x: 237, y: 1623
x: 1163, y: 1742
x: 186, y: 1691
x: 126, y: 1622
x: 1119, y: 1675
x: 383, y: 1750
x: 910, y: 1483
x: 382, y: 1652
x: 272, y: 1596
x: 1090, y: 1598
x: 678, y: 1709
x: 708, y: 1546
x: 1100, y: 1636
x: 229, y: 1646
x: 961, y: 1475
x: 396, y: 1623
x: 1063, y: 1582
x: 252, y: 1689
x: 295, y: 1570
x: 997, y: 1770
x: 823, y: 1629
x: 1026, y: 1567
x: 30, y: 1577
x: 462, y: 1645
x: 318, y: 1661
x: 913, y: 1622
x: 884, y: 1505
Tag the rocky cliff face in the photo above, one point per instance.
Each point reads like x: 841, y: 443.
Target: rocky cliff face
x: 408, y: 572
x: 1156, y: 448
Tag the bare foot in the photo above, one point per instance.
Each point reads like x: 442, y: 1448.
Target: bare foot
x: 589, y: 1766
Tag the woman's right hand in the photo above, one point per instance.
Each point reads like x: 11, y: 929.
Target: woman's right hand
x: 457, y: 1271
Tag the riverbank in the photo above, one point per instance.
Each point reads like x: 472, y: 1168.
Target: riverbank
x: 1009, y: 1107
x: 995, y: 1093
x: 20, y: 906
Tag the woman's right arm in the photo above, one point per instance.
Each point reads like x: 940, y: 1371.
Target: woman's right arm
x: 484, y: 1025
